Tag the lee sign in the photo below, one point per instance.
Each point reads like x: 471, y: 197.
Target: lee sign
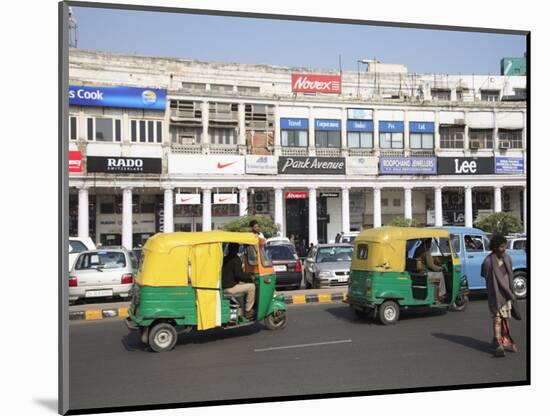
x: 465, y: 165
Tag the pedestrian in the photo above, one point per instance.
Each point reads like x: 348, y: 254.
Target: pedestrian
x: 497, y: 271
x: 255, y: 228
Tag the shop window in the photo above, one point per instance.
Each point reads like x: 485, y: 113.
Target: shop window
x: 421, y: 140
x: 73, y: 131
x: 146, y: 131
x: 451, y: 137
x: 360, y: 139
x: 511, y: 138
x: 294, y: 138
x: 331, y: 139
x: 104, y: 129
x: 481, y: 139
x: 391, y: 140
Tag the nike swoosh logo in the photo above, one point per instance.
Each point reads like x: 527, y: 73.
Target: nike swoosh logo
x: 224, y: 165
x: 186, y: 199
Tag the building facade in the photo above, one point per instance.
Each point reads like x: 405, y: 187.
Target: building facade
x: 160, y: 145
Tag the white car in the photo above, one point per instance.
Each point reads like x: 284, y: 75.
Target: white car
x: 102, y: 273
x: 277, y: 240
x: 516, y: 242
x: 348, y: 238
x: 77, y: 245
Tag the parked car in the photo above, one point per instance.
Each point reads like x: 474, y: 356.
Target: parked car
x: 274, y: 240
x: 472, y: 246
x: 77, y: 245
x: 328, y: 265
x: 347, y: 238
x: 286, y: 263
x: 517, y: 242
x: 102, y: 273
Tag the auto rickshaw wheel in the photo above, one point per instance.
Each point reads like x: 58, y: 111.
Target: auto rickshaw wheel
x: 162, y: 337
x: 460, y: 303
x: 519, y: 284
x: 388, y: 312
x: 277, y: 320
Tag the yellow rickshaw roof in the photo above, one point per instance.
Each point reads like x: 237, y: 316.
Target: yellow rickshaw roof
x: 164, y: 242
x: 388, y: 233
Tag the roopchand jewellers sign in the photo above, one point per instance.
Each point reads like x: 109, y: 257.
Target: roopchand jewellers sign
x: 312, y: 165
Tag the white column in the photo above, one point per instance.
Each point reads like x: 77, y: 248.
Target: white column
x: 127, y: 218
x: 168, y: 210
x: 377, y: 208
x: 311, y: 132
x: 438, y: 205
x: 406, y: 132
x: 495, y: 131
x: 466, y: 131
x: 242, y: 125
x: 277, y: 138
x: 498, y: 199
x: 525, y: 213
x: 206, y: 209
x: 437, y: 138
x: 345, y: 210
x: 344, y: 130
x: 243, y: 201
x: 83, y: 221
x: 468, y: 217
x: 376, y: 131
x: 205, y: 108
x: 313, y: 216
x: 408, y: 202
x: 279, y: 209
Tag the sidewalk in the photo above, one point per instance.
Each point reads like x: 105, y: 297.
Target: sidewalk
x: 99, y: 311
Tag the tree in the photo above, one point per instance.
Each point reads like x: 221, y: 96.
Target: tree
x: 267, y: 226
x: 403, y: 222
x: 499, y: 223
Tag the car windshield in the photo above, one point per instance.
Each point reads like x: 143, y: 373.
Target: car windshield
x: 282, y: 252
x: 334, y: 254
x: 101, y: 260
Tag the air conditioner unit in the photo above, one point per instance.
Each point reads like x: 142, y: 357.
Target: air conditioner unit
x: 186, y: 139
x: 504, y: 144
x: 260, y: 208
x: 260, y: 197
x: 474, y: 144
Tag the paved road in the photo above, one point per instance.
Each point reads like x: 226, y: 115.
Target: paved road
x: 323, y: 349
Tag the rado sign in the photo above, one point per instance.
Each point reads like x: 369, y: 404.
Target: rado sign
x: 465, y: 166
x: 101, y: 164
x: 312, y: 165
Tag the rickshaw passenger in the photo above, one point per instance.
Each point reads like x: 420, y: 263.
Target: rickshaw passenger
x: 435, y: 272
x: 235, y: 280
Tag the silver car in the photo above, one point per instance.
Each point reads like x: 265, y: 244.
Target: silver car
x: 102, y: 273
x: 328, y: 265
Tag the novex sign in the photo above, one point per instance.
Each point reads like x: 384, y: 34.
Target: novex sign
x: 330, y: 84
x: 124, y: 97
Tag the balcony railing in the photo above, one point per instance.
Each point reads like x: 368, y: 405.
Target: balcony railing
x: 391, y: 153
x: 355, y: 151
x: 328, y: 152
x: 422, y: 152
x: 294, y: 151
x: 224, y: 149
x: 186, y: 148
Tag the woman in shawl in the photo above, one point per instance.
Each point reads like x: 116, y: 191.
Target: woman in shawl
x: 497, y: 271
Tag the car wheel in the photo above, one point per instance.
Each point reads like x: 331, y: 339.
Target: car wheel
x: 460, y: 303
x: 519, y: 284
x: 277, y: 320
x: 162, y: 337
x: 388, y: 312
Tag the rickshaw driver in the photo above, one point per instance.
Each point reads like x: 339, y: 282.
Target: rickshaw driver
x: 235, y: 280
x: 435, y: 272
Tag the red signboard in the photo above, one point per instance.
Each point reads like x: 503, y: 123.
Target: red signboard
x: 296, y: 195
x: 75, y: 161
x: 329, y: 84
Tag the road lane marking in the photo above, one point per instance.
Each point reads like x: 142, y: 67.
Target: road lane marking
x: 303, y: 345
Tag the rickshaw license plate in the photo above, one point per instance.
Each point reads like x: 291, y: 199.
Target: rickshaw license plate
x: 97, y: 293
x: 280, y: 268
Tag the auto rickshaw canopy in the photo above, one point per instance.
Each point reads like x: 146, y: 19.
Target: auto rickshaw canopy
x: 386, y: 247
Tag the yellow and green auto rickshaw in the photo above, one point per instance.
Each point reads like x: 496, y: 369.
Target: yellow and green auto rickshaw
x: 387, y: 275
x: 178, y: 287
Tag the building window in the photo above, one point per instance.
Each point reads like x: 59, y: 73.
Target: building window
x: 451, y: 137
x: 104, y: 129
x: 396, y: 202
x: 490, y: 95
x: 146, y: 131
x: 222, y: 136
x: 294, y: 138
x: 460, y: 94
x: 246, y: 89
x: 360, y: 139
x: 384, y: 202
x: 481, y: 139
x: 441, y: 95
x: 421, y: 140
x: 221, y: 87
x: 73, y: 132
x: 185, y: 135
x: 391, y: 140
x: 513, y: 137
x: 194, y: 86
x: 326, y: 138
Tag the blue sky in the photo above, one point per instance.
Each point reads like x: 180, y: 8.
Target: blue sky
x: 292, y: 43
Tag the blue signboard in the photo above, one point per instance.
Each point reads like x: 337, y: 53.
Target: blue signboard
x: 391, y: 126
x: 125, y: 97
x: 509, y: 165
x: 421, y: 127
x: 408, y: 165
x: 333, y: 125
x: 354, y: 125
x: 294, y: 123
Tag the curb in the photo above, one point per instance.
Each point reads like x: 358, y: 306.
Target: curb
x: 100, y: 314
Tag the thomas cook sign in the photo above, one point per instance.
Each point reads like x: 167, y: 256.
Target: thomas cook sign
x: 312, y: 165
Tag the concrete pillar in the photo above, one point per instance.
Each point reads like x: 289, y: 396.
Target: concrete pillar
x: 311, y: 133
x: 438, y: 204
x: 83, y: 207
x: 406, y: 132
x: 466, y: 131
x: 313, y: 216
x: 168, y: 210
x: 498, y: 199
x: 376, y: 132
x: 242, y: 126
x: 279, y: 209
x: 127, y: 218
x: 243, y: 201
x: 377, y: 207
x: 468, y: 216
x: 345, y: 210
x: 206, y: 209
x: 344, y: 131
x: 205, y: 107
x: 495, y: 131
x: 525, y: 213
x: 408, y: 202
x: 437, y: 138
x: 277, y: 138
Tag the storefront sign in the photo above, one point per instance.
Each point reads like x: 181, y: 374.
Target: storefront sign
x: 225, y: 199
x: 101, y: 164
x: 262, y: 165
x: 296, y: 195
x: 125, y: 97
x: 391, y: 126
x: 359, y: 114
x: 330, y: 125
x: 329, y: 84
x: 465, y: 165
x: 75, y: 161
x: 188, y: 199
x: 423, y: 127
x: 510, y: 165
x: 408, y: 166
x: 354, y: 125
x: 329, y: 195
x: 294, y: 124
x: 312, y: 165
x: 361, y: 165
x: 205, y: 164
